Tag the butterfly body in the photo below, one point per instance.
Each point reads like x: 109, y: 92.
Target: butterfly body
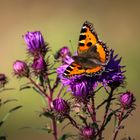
x: 92, y: 56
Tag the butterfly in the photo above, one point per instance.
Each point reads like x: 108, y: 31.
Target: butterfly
x: 92, y: 54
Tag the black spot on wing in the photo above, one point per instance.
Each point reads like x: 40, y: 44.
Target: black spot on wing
x: 84, y: 30
x: 81, y: 44
x: 69, y: 68
x: 80, y: 68
x: 89, y: 44
x: 82, y: 37
x: 66, y: 72
x: 72, y: 65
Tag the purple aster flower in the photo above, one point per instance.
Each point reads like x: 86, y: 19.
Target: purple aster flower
x: 87, y: 132
x: 60, y: 106
x: 3, y: 80
x: 39, y: 65
x: 113, y: 75
x: 20, y: 68
x: 127, y: 99
x: 35, y: 43
x: 82, y: 86
x: 62, y: 54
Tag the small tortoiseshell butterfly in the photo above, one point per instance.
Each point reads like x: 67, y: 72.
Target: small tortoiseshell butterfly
x: 92, y: 56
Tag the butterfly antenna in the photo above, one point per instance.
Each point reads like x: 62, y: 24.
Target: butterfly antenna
x: 71, y: 45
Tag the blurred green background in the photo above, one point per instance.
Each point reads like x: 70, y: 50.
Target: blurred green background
x: 117, y: 23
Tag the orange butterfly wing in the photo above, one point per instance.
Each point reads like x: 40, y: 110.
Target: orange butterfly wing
x: 73, y: 69
x: 88, y: 38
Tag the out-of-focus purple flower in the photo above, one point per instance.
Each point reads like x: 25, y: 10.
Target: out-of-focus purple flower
x: 3, y: 80
x: 113, y: 75
x: 39, y: 65
x: 88, y: 132
x: 60, y: 106
x: 63, y: 54
x: 20, y: 68
x: 126, y: 99
x: 35, y: 43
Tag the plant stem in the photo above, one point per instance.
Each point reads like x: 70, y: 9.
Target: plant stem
x: 54, y: 123
x: 54, y: 128
x: 73, y: 122
x: 50, y: 99
x: 60, y: 91
x: 37, y: 86
x: 117, y: 128
x: 93, y: 109
x: 105, y: 114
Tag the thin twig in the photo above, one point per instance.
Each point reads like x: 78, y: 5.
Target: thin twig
x: 37, y: 86
x: 73, y: 122
x: 117, y: 128
x: 93, y: 108
x: 54, y: 128
x: 106, y: 113
x: 60, y: 91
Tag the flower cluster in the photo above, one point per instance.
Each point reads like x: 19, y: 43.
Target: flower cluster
x: 112, y: 76
x: 82, y: 105
x: 37, y: 47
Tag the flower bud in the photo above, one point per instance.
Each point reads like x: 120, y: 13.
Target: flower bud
x: 126, y: 99
x: 60, y: 105
x: 88, y: 132
x: 35, y: 43
x: 20, y: 68
x: 39, y: 64
x: 63, y: 54
x: 3, y: 80
x: 81, y: 89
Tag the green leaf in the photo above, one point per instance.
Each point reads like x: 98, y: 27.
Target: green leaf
x: 10, y: 100
x: 15, y: 108
x: 110, y: 116
x: 102, y: 103
x: 94, y: 125
x: 46, y: 129
x: 83, y: 119
x: 65, y: 136
x: 6, y: 116
x: 48, y: 114
x: 115, y: 121
x: 26, y: 87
